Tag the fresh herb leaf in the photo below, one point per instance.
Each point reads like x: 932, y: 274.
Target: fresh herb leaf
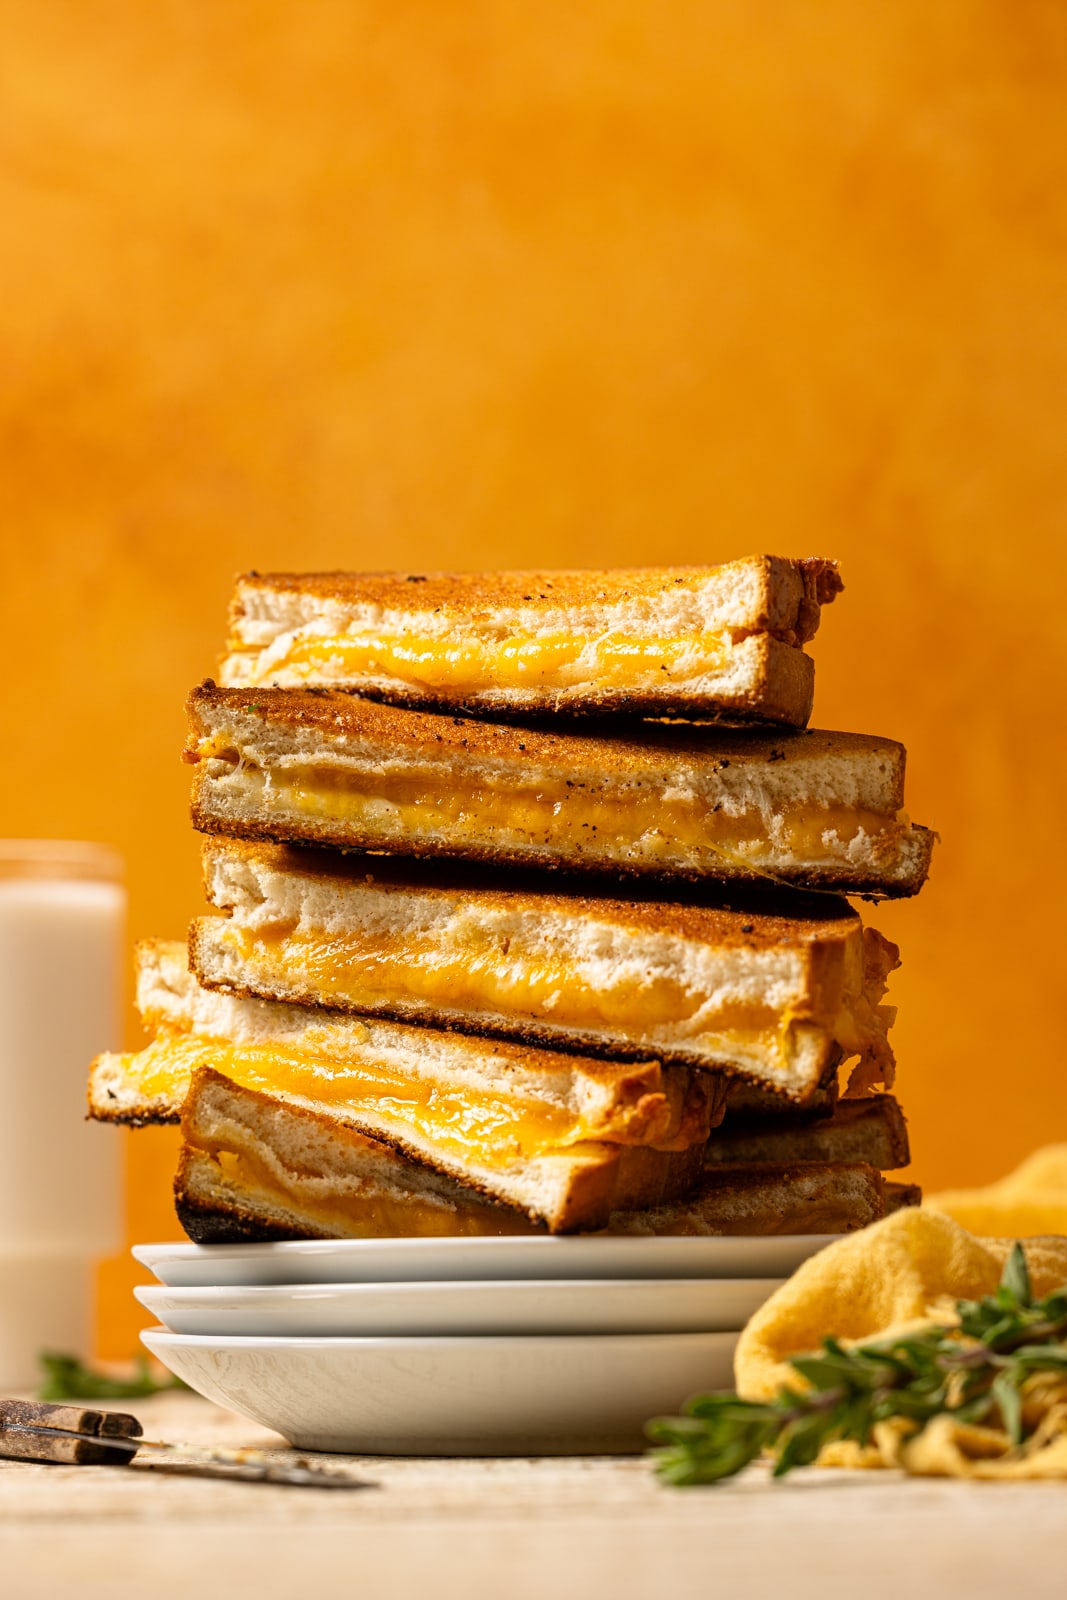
x: 973, y: 1371
x: 1016, y: 1280
x: 68, y: 1378
x: 1005, y: 1391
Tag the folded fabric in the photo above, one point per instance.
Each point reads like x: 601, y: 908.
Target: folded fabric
x: 1032, y: 1199
x: 905, y: 1272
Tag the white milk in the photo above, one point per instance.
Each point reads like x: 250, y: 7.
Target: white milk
x: 62, y: 914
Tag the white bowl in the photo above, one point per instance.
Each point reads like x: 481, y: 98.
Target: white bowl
x: 556, y: 1306
x: 476, y: 1260
x: 580, y: 1395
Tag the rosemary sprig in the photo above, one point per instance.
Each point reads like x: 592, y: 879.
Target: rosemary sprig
x: 974, y: 1371
x: 68, y: 1378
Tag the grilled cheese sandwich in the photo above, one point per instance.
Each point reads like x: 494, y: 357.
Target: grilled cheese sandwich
x: 253, y: 1167
x: 817, y: 809
x: 778, y: 999
x: 560, y: 1137
x: 718, y: 642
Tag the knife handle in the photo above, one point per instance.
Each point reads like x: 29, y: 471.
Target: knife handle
x: 33, y: 1430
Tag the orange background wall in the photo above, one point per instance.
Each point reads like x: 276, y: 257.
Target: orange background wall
x: 344, y: 284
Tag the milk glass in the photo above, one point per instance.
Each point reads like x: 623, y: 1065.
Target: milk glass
x: 62, y: 915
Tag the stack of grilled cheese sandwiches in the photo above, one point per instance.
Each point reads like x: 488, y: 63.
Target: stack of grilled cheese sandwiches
x: 528, y: 915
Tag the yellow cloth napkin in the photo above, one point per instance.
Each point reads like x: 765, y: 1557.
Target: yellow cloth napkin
x: 1032, y: 1199
x: 907, y: 1269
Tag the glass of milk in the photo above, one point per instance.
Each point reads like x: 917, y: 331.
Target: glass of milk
x: 62, y: 922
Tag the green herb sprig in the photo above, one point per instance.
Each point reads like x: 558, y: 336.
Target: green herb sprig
x: 68, y: 1378
x: 974, y: 1371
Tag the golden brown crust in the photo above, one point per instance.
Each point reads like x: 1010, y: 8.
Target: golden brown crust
x: 763, y: 610
x: 655, y: 1178
x: 355, y: 719
x: 596, y: 1184
x: 793, y: 590
x: 827, y: 1197
x: 812, y: 1197
x: 590, y: 1179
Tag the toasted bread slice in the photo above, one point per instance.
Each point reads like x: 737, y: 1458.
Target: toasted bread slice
x: 560, y: 1137
x: 255, y: 1167
x: 820, y: 809
x: 777, y: 998
x: 899, y: 1195
x: 808, y: 1197
x: 871, y: 1130
x: 749, y: 1106
x: 715, y: 642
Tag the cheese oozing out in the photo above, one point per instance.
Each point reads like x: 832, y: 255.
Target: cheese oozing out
x: 464, y: 1123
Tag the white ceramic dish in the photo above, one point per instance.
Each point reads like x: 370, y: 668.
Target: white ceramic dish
x: 476, y: 1260
x: 578, y: 1395
x: 556, y: 1306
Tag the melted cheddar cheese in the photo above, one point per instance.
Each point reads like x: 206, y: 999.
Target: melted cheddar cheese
x: 493, y: 1129
x: 483, y: 978
x: 514, y: 661
x: 631, y: 822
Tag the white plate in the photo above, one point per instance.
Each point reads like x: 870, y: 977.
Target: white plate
x: 604, y: 1305
x: 436, y: 1260
x: 453, y: 1397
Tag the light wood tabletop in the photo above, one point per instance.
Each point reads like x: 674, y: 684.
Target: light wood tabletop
x: 521, y: 1529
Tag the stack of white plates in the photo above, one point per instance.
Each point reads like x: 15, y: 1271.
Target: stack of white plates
x: 460, y: 1346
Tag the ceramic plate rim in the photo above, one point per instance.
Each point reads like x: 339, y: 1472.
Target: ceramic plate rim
x: 269, y: 1263
x: 451, y: 1341
x: 454, y: 1286
x: 185, y: 1250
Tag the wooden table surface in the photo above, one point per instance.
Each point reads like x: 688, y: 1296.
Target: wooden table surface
x: 519, y: 1529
